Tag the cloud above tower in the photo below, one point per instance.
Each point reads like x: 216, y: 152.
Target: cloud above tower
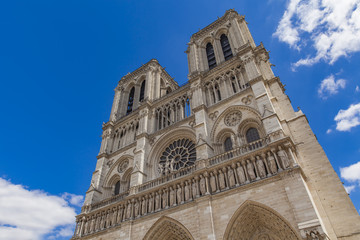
x: 332, y: 28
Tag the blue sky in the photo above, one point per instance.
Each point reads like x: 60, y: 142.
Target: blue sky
x: 61, y: 60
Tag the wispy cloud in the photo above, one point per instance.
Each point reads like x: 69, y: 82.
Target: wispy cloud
x: 348, y: 118
x: 332, y: 27
x: 32, y: 214
x: 352, y: 175
x: 329, y: 86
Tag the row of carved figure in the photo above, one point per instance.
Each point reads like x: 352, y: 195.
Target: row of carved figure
x: 234, y: 174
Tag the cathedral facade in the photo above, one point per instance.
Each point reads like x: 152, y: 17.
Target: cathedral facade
x: 224, y: 156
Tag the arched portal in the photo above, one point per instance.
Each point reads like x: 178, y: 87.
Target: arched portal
x: 168, y: 229
x: 253, y: 221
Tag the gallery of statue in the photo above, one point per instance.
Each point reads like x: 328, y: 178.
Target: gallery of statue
x: 224, y: 156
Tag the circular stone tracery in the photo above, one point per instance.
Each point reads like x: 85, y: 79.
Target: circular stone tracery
x: 179, y: 154
x: 232, y: 118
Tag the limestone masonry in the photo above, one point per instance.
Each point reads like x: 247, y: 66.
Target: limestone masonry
x: 223, y: 157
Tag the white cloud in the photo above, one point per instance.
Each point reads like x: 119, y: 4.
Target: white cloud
x: 350, y: 188
x: 331, y: 26
x: 348, y: 118
x: 76, y: 200
x: 351, y: 173
x: 329, y: 131
x: 32, y: 214
x: 357, y: 89
x: 329, y: 86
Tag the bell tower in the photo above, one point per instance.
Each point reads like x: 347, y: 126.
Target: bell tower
x: 224, y: 156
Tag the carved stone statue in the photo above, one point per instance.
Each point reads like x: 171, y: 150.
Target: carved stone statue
x: 108, y: 219
x: 119, y: 215
x: 86, y: 226
x: 151, y: 203
x: 97, y: 222
x: 240, y: 173
x: 143, y: 206
x: 92, y: 224
x: 172, y: 196
x: 250, y: 170
x: 231, y: 176
x: 136, y: 208
x: 283, y: 157
x: 261, y: 167
x: 314, y: 235
x: 221, y: 180
x: 102, y: 222
x: 187, y: 191
x: 272, y: 163
x: 161, y: 168
x: 114, y: 214
x: 212, y: 182
x: 157, y: 202
x: 164, y: 199
x: 202, y: 185
x: 128, y: 210
x: 194, y: 188
x: 178, y: 194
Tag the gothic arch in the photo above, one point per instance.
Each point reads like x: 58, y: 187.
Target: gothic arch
x: 109, y: 179
x: 251, y: 123
x: 163, y: 142
x: 221, y: 31
x: 167, y: 228
x: 253, y: 220
x: 244, y: 109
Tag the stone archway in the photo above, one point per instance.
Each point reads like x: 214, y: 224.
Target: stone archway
x: 168, y: 229
x: 255, y: 221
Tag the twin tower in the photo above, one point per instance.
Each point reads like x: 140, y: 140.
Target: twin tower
x: 224, y: 156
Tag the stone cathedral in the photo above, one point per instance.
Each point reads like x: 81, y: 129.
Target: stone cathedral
x: 224, y: 156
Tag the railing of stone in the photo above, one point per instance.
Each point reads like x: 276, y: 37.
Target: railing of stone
x: 110, y: 200
x: 262, y: 162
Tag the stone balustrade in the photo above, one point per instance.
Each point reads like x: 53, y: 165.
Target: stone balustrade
x: 244, y: 165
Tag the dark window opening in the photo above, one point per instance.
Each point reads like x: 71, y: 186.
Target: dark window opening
x: 228, y: 144
x: 252, y: 135
x: 210, y: 56
x: 142, y: 91
x: 225, y: 45
x: 117, y: 188
x: 130, y: 101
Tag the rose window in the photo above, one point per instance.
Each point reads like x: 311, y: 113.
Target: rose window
x: 179, y: 154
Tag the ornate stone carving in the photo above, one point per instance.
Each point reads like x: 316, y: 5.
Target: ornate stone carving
x: 261, y: 167
x: 250, y: 170
x: 247, y: 100
x: 123, y: 166
x: 213, y: 115
x: 177, y: 155
x: 272, y: 163
x: 240, y: 173
x: 283, y: 157
x: 232, y: 118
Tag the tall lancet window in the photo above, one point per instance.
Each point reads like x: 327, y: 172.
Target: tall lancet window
x: 131, y: 100
x: 210, y: 56
x: 142, y: 91
x: 228, y: 144
x: 225, y: 45
x: 117, y: 188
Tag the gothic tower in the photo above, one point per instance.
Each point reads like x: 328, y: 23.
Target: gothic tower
x: 224, y: 156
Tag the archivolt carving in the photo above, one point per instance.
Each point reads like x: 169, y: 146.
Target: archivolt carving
x: 254, y: 220
x: 166, y: 228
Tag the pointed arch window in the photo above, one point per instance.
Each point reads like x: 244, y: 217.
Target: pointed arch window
x: 225, y: 45
x: 142, y: 91
x: 130, y: 101
x: 117, y: 188
x: 252, y: 135
x: 228, y: 144
x: 210, y: 55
